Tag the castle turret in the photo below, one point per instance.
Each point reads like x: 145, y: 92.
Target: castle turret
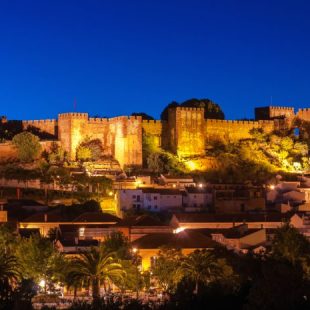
x: 71, y: 131
x: 186, y: 131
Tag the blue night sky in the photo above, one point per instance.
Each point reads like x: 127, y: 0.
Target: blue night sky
x: 118, y: 57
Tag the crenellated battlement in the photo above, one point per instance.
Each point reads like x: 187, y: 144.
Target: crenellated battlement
x: 73, y: 115
x: 190, y: 109
x: 98, y: 120
x: 282, y: 108
x: 304, y: 110
x: 151, y: 121
x: 40, y: 121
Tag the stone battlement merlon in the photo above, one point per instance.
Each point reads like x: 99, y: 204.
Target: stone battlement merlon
x: 304, y: 110
x: 282, y: 108
x: 151, y: 121
x: 233, y: 122
x: 190, y: 109
x: 40, y: 121
x: 73, y: 115
x: 98, y: 120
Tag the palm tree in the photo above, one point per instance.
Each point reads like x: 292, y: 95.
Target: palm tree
x: 95, y: 267
x: 9, y: 268
x: 200, y: 266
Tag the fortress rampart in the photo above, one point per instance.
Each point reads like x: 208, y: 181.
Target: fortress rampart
x: 47, y: 126
x: 186, y: 132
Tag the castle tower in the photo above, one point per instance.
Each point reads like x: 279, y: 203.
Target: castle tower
x: 71, y: 131
x: 186, y: 131
x: 271, y: 112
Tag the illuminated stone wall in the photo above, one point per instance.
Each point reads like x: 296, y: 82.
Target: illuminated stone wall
x: 121, y: 137
x: 270, y: 112
x: 153, y: 129
x: 304, y: 114
x: 186, y: 131
x: 231, y: 131
x: 46, y: 126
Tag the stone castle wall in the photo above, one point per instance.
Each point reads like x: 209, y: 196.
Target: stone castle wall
x: 304, y: 114
x: 186, y: 133
x: 46, y: 126
x: 153, y: 129
x: 121, y: 137
x: 231, y: 131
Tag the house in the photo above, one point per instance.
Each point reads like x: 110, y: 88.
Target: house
x: 197, y: 199
x: 52, y: 220
x: 240, y: 238
x: 135, y: 227
x: 85, y: 231
x: 236, y: 198
x: 162, y: 199
x: 151, y: 199
x: 208, y: 220
x: 149, y: 246
x: 176, y: 181
x: 301, y: 221
x: 75, y: 246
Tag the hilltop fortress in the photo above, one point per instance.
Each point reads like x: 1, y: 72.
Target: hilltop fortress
x: 185, y: 133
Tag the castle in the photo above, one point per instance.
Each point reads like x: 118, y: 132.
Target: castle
x: 185, y: 133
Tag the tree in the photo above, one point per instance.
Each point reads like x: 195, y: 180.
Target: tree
x: 290, y: 245
x: 95, y: 267
x: 144, y: 116
x: 9, y: 268
x: 211, y: 109
x: 90, y: 150
x: 164, y: 114
x: 27, y: 145
x: 38, y: 259
x: 156, y: 162
x: 83, y: 153
x: 117, y: 243
x: 201, y: 266
x: 56, y: 154
x: 166, y: 268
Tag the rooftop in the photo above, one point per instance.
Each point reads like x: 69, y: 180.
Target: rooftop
x: 234, y: 217
x: 184, y: 240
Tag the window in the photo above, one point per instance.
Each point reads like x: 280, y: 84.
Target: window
x: 138, y: 197
x: 133, y: 196
x: 149, y: 207
x: 155, y: 207
x: 155, y: 197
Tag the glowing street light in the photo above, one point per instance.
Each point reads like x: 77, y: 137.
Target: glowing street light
x: 42, y: 283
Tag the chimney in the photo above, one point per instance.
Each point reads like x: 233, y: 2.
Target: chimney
x: 45, y: 217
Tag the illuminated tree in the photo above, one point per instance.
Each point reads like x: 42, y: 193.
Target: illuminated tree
x: 95, y: 267
x: 83, y: 153
x: 27, y: 145
x: 201, y: 266
x: 166, y: 268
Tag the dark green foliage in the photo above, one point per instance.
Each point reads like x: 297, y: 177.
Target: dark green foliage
x: 211, y: 109
x: 27, y: 145
x: 90, y: 150
x: 164, y: 113
x: 116, y: 242
x: 9, y: 129
x: 143, y: 115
